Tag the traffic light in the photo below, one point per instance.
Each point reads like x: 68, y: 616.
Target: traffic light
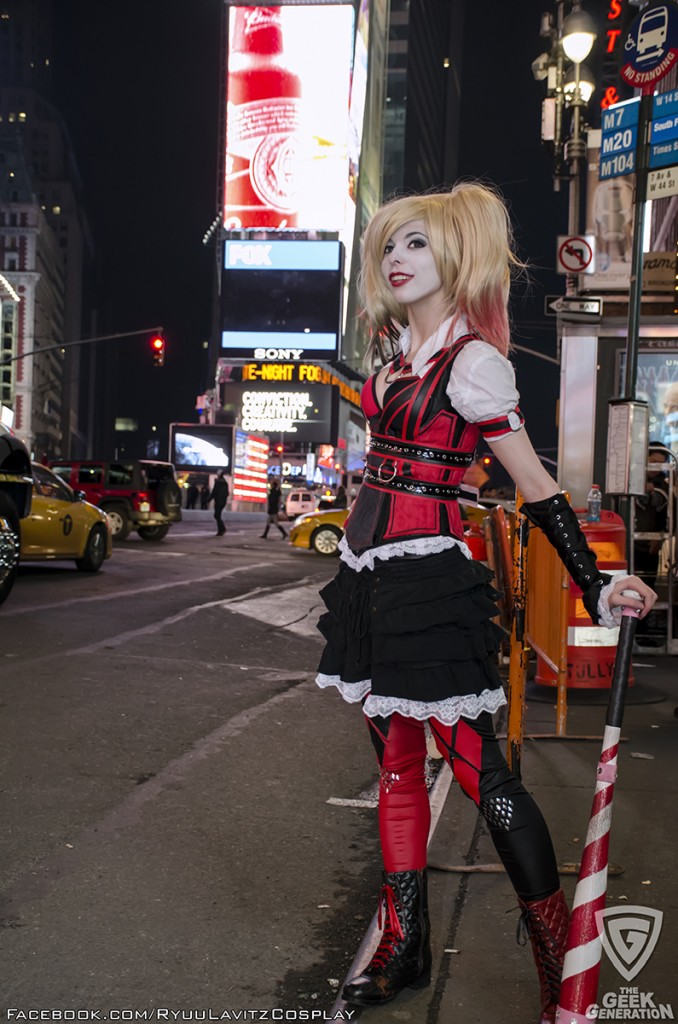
x: 487, y: 461
x: 158, y: 349
x: 279, y: 449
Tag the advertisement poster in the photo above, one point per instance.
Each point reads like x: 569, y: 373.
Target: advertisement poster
x: 287, y: 412
x: 287, y: 117
x: 658, y: 386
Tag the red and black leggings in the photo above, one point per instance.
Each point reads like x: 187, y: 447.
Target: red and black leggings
x: 470, y: 747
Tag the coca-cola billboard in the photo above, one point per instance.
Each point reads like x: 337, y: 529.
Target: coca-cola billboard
x: 287, y: 102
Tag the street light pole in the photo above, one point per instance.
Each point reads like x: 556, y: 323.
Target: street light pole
x: 577, y: 37
x: 572, y: 38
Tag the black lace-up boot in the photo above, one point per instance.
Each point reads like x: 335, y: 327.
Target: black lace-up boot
x: 403, y: 957
x: 546, y: 922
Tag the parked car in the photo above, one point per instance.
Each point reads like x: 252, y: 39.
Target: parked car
x: 136, y: 494
x: 319, y: 531
x: 16, y: 483
x: 62, y: 525
x: 299, y: 501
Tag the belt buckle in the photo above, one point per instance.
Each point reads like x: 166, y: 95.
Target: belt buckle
x: 380, y: 477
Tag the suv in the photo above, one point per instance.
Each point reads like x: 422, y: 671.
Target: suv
x: 136, y: 494
x: 16, y: 484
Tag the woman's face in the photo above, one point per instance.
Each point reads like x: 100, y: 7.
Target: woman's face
x: 408, y: 265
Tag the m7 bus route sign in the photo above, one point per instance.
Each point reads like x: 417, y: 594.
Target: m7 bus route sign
x: 575, y: 254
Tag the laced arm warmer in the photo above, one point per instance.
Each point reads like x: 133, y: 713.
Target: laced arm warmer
x: 557, y: 520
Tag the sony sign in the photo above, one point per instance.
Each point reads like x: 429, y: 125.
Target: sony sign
x: 287, y: 354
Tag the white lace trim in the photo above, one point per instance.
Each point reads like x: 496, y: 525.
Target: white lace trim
x: 415, y: 546
x: 352, y: 692
x: 610, y: 617
x: 449, y: 711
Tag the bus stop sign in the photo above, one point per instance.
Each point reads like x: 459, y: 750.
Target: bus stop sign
x: 651, y: 46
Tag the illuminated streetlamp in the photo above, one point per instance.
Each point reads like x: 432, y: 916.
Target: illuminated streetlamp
x: 572, y: 38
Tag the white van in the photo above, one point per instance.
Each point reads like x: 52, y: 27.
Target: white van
x: 300, y: 501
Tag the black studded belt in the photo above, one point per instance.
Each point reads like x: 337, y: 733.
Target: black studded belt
x: 383, y: 479
x: 408, y: 450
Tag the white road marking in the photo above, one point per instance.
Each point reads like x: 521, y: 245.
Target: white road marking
x: 232, y: 603
x: 133, y: 591
x: 298, y: 613
x: 368, y: 798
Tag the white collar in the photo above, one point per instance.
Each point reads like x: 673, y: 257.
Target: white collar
x: 432, y: 344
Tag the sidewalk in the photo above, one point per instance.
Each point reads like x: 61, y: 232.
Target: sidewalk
x: 480, y: 973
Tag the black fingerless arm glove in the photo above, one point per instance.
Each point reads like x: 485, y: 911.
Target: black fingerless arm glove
x: 557, y: 520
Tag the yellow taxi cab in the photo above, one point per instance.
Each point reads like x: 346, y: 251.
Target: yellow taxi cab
x: 63, y: 526
x: 319, y: 531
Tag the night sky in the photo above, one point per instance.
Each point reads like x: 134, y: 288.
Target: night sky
x: 137, y: 82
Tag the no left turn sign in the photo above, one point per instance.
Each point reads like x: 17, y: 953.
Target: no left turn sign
x: 575, y: 254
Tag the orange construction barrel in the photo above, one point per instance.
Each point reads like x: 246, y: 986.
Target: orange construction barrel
x: 474, y: 536
x: 591, y: 650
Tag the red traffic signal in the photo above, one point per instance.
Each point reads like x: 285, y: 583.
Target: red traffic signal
x: 279, y: 449
x: 158, y: 349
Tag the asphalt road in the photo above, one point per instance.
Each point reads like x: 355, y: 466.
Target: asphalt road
x: 189, y: 825
x: 165, y: 771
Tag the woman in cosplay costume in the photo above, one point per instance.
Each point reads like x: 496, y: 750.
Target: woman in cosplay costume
x: 408, y: 623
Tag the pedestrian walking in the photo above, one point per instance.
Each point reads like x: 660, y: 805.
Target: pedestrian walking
x: 408, y: 625
x: 340, y: 500
x: 219, y: 495
x: 273, y: 509
x: 192, y: 495
x: 651, y: 514
x: 204, y: 496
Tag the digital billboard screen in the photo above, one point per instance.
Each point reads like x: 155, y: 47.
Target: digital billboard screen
x: 287, y: 116
x: 298, y: 413
x: 201, y: 447
x: 657, y: 384
x: 281, y: 299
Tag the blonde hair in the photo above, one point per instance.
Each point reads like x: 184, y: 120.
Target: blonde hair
x: 470, y: 236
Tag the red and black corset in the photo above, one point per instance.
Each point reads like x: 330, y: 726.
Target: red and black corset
x: 420, y: 449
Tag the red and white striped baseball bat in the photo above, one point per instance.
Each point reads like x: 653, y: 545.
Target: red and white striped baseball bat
x: 581, y: 969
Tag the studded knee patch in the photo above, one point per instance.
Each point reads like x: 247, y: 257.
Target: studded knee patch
x: 388, y: 779
x: 498, y: 811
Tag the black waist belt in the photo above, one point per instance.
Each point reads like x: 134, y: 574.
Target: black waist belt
x: 420, y: 488
x: 407, y: 450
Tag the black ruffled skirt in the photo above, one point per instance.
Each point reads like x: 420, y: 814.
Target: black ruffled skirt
x: 414, y: 635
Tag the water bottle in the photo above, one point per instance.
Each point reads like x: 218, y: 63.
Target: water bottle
x: 594, y: 502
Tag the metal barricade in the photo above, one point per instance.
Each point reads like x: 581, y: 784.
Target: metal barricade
x: 541, y: 597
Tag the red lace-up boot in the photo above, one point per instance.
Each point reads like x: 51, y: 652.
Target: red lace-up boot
x: 403, y: 957
x: 546, y: 921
